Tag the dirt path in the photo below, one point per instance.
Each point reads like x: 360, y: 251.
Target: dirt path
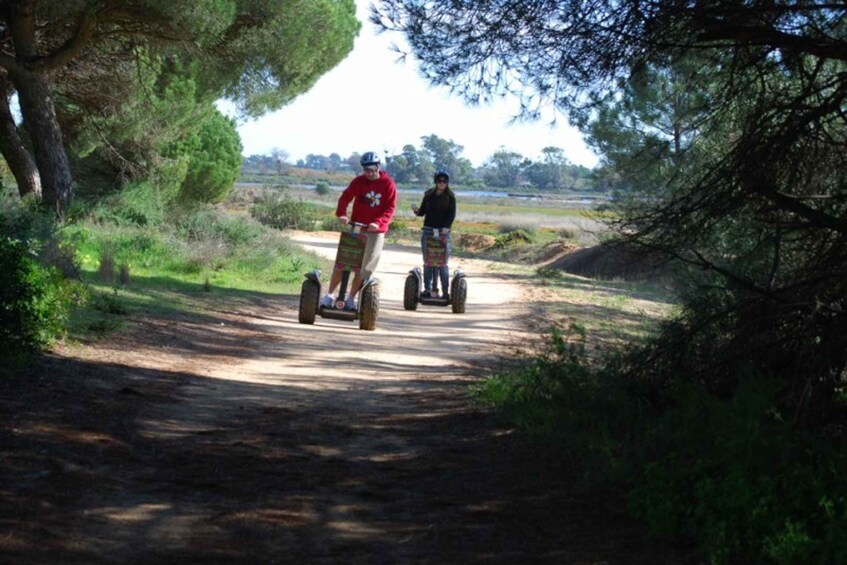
x: 241, y: 436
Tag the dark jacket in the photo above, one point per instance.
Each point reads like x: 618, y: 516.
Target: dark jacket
x: 439, y: 211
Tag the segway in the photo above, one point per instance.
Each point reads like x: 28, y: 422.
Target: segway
x: 436, y: 256
x: 349, y: 257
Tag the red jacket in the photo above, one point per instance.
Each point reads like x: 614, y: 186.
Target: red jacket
x: 373, y: 201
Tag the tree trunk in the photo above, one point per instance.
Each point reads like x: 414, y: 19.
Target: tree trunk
x: 39, y: 114
x: 36, y: 99
x: 17, y: 157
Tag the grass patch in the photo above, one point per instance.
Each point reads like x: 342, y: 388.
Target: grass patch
x: 183, y: 265
x: 613, y: 313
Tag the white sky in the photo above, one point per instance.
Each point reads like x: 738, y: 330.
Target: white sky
x: 371, y: 102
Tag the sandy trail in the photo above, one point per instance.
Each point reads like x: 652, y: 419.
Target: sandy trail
x: 333, y: 365
x: 238, y: 435
x: 425, y: 340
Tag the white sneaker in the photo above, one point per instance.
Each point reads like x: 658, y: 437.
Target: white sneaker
x: 327, y: 301
x: 350, y: 303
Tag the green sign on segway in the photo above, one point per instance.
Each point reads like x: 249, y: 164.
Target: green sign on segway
x: 351, y: 251
x: 348, y: 259
x: 436, y: 252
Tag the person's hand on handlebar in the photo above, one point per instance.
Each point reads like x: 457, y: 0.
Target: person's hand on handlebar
x: 343, y: 220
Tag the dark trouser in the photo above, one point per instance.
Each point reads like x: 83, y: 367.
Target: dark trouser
x: 431, y: 276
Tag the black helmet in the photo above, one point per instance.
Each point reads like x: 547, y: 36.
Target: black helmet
x: 440, y: 175
x: 369, y: 158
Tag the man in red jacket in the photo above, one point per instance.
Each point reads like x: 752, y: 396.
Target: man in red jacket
x: 374, y: 197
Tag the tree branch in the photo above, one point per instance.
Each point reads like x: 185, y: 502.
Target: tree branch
x: 71, y: 48
x: 723, y: 30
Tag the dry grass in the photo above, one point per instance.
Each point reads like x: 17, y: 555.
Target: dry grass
x: 106, y: 268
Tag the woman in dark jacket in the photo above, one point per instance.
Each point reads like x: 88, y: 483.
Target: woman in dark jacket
x: 438, y: 208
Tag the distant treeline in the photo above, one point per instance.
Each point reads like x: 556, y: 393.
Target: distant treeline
x: 504, y: 169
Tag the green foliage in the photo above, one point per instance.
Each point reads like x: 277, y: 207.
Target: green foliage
x: 728, y: 155
x: 109, y: 304
x: 411, y: 165
x: 404, y: 229
x: 194, y: 252
x: 322, y: 188
x: 328, y: 223
x: 271, y: 64
x: 555, y: 171
x: 737, y: 477
x: 445, y: 155
x: 34, y: 299
x: 512, y: 238
x: 154, y: 111
x: 138, y: 204
x: 556, y: 397
x: 214, y: 161
x: 503, y: 168
x: 135, y: 104
x: 283, y: 212
x: 401, y: 225
x: 206, y: 225
x: 530, y: 395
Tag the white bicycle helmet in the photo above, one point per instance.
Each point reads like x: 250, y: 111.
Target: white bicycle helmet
x: 370, y: 158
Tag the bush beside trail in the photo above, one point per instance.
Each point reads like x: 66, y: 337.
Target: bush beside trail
x: 35, y: 296
x: 739, y: 476
x: 283, y: 212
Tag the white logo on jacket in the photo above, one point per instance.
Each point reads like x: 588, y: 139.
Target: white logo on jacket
x: 374, y: 198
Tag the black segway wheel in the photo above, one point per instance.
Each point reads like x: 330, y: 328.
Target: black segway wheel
x: 368, y: 307
x: 459, y: 294
x: 309, y: 296
x: 410, y: 293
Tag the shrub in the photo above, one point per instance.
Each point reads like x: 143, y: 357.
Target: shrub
x: 567, y: 233
x: 34, y: 300
x: 205, y: 224
x: 35, y: 296
x: 214, y: 161
x: 534, y: 395
x: 741, y: 480
x: 283, y: 213
x: 512, y: 238
x: 734, y: 475
x: 123, y: 274
x: 106, y: 268
x: 137, y: 204
x: 322, y: 188
x: 61, y: 255
x: 525, y: 227
x: 328, y: 224
x: 400, y: 225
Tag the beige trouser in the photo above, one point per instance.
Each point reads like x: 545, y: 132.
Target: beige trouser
x: 373, y: 250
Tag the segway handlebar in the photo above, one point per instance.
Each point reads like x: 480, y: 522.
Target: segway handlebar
x: 355, y: 227
x: 436, y: 232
